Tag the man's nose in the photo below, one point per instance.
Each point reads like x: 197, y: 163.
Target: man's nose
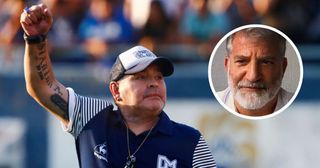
x: 152, y: 82
x: 253, y: 72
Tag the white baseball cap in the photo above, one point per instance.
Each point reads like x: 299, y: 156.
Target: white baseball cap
x: 136, y: 60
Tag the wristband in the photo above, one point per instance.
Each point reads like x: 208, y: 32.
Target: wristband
x: 34, y: 39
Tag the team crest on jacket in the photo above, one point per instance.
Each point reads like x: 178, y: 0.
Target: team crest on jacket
x: 101, y: 152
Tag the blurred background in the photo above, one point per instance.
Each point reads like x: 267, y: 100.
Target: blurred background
x: 85, y: 39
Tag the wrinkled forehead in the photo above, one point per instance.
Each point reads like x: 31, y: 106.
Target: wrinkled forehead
x: 255, y: 36
x: 243, y: 41
x: 268, y: 42
x: 261, y: 34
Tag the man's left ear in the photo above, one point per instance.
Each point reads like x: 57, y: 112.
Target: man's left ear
x: 284, y: 64
x: 226, y: 62
x: 114, y: 89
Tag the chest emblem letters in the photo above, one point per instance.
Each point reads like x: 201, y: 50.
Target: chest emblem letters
x: 164, y: 162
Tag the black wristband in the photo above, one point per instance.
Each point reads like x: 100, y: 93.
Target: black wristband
x: 34, y: 39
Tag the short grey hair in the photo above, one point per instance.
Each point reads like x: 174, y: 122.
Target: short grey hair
x: 260, y: 33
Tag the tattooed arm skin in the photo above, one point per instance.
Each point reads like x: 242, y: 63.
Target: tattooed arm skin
x: 41, y: 83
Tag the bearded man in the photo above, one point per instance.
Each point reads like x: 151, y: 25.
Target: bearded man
x: 255, y: 64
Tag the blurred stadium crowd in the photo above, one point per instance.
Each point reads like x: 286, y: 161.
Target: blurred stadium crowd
x: 89, y: 30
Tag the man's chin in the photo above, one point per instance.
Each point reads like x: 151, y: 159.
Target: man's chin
x: 154, y: 105
x: 251, y: 102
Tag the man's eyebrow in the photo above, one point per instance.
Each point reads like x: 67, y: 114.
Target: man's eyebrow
x: 241, y: 57
x: 270, y: 57
x: 260, y: 58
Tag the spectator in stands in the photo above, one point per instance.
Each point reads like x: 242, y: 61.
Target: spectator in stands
x: 313, y: 32
x: 104, y: 25
x: 313, y: 21
x: 9, y: 21
x: 68, y: 15
x: 157, y: 27
x: 241, y: 12
x: 286, y: 15
x: 201, y: 26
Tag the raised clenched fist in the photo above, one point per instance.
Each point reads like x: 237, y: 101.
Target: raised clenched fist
x: 36, y: 20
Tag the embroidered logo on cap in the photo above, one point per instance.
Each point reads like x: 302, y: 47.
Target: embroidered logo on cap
x: 143, y: 53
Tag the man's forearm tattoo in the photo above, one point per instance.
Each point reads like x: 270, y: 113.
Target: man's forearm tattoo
x: 42, y: 67
x: 62, y: 104
x: 57, y: 89
x: 43, y: 71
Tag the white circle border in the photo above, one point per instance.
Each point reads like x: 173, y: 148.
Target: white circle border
x: 226, y: 106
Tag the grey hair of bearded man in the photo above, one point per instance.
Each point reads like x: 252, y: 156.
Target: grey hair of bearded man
x: 260, y: 33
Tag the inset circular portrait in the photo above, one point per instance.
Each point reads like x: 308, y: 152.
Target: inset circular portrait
x: 255, y: 71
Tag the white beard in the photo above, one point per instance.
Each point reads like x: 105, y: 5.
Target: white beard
x: 253, y: 100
